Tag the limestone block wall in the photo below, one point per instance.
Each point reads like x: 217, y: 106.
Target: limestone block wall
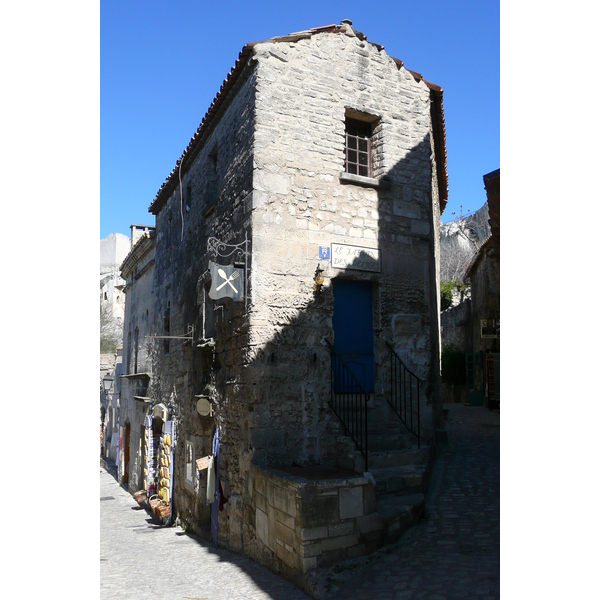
x: 137, y: 358
x: 270, y: 167
x: 139, y: 315
x: 301, y: 201
x: 457, y: 326
x: 301, y: 524
x: 216, y: 183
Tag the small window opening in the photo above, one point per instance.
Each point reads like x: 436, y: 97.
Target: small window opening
x: 359, y: 147
x: 129, y: 352
x: 137, y: 346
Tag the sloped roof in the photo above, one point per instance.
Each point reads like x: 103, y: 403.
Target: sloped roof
x: 485, y: 246
x: 138, y: 250
x: 195, y: 142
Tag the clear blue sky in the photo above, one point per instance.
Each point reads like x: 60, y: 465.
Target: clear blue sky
x: 161, y: 65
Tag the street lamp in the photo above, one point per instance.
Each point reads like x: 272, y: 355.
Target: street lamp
x: 107, y: 382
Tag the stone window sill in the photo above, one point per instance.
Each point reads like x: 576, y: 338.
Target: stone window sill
x: 381, y: 182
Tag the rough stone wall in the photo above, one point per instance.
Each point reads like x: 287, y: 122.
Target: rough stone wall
x: 279, y: 148
x: 278, y: 410
x: 301, y: 202
x: 302, y: 524
x: 485, y: 298
x: 216, y: 186
x: 457, y: 326
x: 139, y: 314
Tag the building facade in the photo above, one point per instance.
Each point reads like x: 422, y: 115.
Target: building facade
x: 298, y: 231
x: 483, y: 363
x: 137, y: 270
x: 113, y: 249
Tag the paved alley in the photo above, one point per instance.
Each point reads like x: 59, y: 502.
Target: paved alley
x: 455, y: 551
x: 139, y: 560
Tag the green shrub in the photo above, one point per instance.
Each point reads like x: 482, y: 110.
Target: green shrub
x: 446, y: 294
x: 446, y: 288
x: 108, y: 345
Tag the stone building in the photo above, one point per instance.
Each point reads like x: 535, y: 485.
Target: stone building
x: 137, y: 270
x: 311, y: 196
x: 484, y: 275
x: 113, y: 249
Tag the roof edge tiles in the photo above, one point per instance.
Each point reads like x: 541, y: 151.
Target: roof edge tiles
x: 170, y: 184
x: 137, y: 252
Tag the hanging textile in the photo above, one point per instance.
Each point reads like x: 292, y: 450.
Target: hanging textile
x: 210, y: 480
x: 214, y: 508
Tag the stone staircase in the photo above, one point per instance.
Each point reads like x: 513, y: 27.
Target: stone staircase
x: 400, y: 471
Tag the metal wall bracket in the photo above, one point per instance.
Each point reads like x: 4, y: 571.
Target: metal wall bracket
x: 189, y: 336
x: 239, y: 251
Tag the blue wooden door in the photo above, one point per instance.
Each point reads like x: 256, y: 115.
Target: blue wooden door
x: 353, y: 328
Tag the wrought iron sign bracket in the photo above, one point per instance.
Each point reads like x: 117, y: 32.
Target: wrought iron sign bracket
x: 189, y: 336
x: 237, y: 251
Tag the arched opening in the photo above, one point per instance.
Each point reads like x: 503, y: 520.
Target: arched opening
x: 156, y: 431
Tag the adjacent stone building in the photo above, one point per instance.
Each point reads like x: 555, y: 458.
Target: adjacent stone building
x: 484, y: 275
x: 137, y: 270
x: 311, y: 195
x: 113, y: 249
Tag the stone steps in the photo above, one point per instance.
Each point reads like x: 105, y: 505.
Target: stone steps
x: 400, y: 479
x: 398, y: 457
x: 398, y: 473
x: 400, y: 470
x: 400, y: 513
x: 382, y: 442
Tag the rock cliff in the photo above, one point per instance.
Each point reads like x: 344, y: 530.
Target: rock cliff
x: 459, y: 241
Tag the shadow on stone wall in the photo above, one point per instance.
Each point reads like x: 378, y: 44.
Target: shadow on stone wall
x: 283, y: 384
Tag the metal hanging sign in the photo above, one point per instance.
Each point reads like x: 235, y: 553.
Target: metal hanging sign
x: 229, y: 281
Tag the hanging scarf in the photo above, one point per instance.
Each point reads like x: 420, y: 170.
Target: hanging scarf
x: 210, y: 481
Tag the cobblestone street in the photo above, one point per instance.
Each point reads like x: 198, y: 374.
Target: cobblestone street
x: 453, y: 553
x: 140, y: 560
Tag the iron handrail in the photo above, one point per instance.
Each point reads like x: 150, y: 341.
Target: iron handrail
x: 349, y: 402
x: 399, y: 399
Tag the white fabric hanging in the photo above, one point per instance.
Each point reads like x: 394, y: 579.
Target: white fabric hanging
x: 210, y: 481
